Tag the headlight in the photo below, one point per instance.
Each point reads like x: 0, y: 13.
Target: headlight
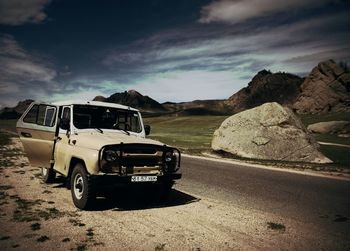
x: 110, y: 156
x: 168, y: 156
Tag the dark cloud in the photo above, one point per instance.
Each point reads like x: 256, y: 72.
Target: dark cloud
x: 229, y: 11
x: 220, y: 49
x: 17, y: 12
x: 21, y: 74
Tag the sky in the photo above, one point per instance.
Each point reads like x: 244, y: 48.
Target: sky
x: 170, y: 50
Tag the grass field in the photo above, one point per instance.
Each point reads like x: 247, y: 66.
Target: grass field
x: 9, y: 125
x: 340, y: 155
x: 331, y: 138
x: 314, y: 118
x: 191, y: 134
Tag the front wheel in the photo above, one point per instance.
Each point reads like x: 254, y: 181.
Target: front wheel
x: 82, y: 188
x: 48, y: 174
x: 162, y: 191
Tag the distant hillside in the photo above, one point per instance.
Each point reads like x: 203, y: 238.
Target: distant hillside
x: 326, y: 89
x: 15, y: 112
x: 134, y: 99
x: 282, y: 88
x: 199, y: 107
x: 149, y: 106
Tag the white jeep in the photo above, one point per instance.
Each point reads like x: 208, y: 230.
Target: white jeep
x: 96, y: 145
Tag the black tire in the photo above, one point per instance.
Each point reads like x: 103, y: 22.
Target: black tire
x: 165, y: 191
x: 48, y: 174
x: 82, y: 188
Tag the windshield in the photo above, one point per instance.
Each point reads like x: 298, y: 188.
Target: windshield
x: 87, y: 116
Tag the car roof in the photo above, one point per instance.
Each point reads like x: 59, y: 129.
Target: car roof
x: 93, y: 103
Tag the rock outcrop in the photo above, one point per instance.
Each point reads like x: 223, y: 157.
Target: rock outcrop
x: 326, y: 89
x: 269, y: 132
x: 282, y: 88
x: 134, y: 99
x: 330, y: 127
x: 99, y: 98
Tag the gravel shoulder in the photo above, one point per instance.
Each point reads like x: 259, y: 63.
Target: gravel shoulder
x: 38, y: 216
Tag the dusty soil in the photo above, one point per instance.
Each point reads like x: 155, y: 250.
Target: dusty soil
x: 38, y: 216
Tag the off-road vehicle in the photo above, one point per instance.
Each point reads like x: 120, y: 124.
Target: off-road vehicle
x: 96, y: 145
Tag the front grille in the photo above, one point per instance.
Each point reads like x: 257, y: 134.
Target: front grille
x: 138, y: 158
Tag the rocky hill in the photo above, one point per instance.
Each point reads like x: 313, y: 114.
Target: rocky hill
x: 134, y: 99
x: 326, y: 89
x: 266, y: 86
x: 15, y: 112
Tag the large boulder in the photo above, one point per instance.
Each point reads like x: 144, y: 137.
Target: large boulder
x: 330, y: 127
x: 269, y: 132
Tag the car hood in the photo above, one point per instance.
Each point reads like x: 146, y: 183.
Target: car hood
x: 96, y: 140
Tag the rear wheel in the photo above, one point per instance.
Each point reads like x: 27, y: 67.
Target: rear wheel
x: 48, y: 174
x: 82, y: 188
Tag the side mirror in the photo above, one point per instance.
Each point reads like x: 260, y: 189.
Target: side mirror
x: 147, y: 129
x: 65, y: 124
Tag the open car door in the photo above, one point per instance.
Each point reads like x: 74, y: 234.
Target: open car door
x: 36, y: 129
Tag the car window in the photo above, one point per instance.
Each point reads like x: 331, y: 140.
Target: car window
x: 134, y: 122
x: 87, y: 116
x: 31, y: 115
x: 66, y: 113
x: 49, y: 116
x: 41, y: 115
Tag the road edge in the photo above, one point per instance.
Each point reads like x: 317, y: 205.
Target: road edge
x: 307, y: 172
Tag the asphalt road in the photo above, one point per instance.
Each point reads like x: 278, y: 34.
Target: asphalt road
x: 322, y: 202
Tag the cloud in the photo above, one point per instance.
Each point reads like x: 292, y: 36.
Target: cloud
x: 218, y: 50
x: 214, y: 62
x: 231, y: 11
x: 18, y: 12
x: 23, y: 75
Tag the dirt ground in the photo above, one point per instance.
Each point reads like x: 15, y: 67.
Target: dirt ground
x: 38, y: 216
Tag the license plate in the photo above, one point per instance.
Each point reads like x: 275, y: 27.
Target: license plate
x: 143, y: 178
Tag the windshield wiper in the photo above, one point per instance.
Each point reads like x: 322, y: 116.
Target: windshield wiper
x: 116, y: 127
x: 98, y: 129
x: 128, y: 133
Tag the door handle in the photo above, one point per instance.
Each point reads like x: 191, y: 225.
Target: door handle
x: 26, y: 134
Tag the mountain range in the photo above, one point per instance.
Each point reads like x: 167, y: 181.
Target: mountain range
x: 325, y: 89
x: 15, y: 112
